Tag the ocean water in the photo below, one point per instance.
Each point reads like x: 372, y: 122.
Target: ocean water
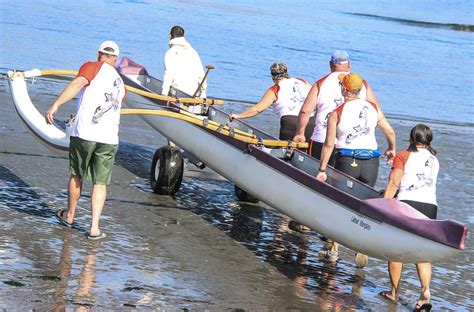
x: 417, y: 55
x: 162, y: 253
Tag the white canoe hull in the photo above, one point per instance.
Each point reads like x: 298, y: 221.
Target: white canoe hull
x: 259, y: 176
x: 327, y: 217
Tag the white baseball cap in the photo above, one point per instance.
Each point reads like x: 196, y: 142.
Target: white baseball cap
x: 109, y: 45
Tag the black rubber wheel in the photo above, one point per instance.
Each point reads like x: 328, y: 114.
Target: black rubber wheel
x: 244, y: 196
x: 166, y: 171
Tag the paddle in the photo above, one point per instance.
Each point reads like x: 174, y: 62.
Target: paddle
x: 37, y: 72
x: 209, y: 67
x: 173, y: 99
x: 213, y: 126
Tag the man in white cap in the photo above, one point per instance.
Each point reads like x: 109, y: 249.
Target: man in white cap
x: 325, y: 96
x: 94, y: 135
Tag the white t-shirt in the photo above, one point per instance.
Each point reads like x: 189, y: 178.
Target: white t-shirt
x: 329, y: 98
x: 290, y: 94
x: 356, y: 126
x: 98, y: 108
x: 420, y: 172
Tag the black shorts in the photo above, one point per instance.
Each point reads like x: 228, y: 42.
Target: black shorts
x: 315, y: 150
x: 288, y: 125
x: 429, y: 210
x: 364, y: 170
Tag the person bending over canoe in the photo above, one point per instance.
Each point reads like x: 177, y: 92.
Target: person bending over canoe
x: 414, y: 174
x: 94, y: 135
x: 286, y: 96
x: 325, y: 96
x: 351, y: 127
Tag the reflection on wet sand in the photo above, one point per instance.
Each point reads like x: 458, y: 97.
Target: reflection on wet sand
x: 281, y: 271
x: 64, y: 271
x: 84, y: 298
x: 314, y: 279
x: 332, y: 297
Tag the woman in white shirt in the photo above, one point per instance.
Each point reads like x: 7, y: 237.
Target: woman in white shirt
x: 287, y: 95
x: 414, y: 174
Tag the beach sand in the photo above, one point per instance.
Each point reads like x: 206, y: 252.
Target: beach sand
x: 200, y: 249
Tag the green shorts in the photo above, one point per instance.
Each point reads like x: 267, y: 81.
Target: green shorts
x: 91, y: 160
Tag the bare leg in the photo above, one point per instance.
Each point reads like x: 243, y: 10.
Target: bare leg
x: 330, y: 253
x: 424, y: 274
x: 335, y: 247
x: 99, y: 193
x: 74, y: 190
x: 395, y: 273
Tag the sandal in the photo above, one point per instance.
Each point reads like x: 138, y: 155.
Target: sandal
x: 425, y: 307
x: 96, y: 237
x: 60, y: 216
x: 298, y: 227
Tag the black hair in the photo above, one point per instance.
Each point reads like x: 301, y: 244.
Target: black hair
x: 422, y: 135
x: 176, y: 31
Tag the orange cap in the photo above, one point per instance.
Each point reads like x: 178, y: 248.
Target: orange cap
x: 351, y: 81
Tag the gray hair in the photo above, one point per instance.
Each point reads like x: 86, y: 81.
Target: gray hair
x: 279, y: 71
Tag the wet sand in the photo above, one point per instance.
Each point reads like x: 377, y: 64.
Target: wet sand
x: 198, y: 250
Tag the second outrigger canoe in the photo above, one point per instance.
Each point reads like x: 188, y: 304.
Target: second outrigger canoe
x: 342, y: 209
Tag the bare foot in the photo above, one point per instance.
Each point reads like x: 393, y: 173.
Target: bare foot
x: 390, y: 296
x: 94, y: 232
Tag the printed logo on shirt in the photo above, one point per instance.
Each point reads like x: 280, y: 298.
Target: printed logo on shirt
x: 338, y: 101
x: 298, y: 97
x: 111, y: 102
x: 425, y: 178
x: 361, y: 129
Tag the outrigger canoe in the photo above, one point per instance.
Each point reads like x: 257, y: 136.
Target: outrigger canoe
x: 342, y: 209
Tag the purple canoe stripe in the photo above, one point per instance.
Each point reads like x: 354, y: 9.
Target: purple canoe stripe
x: 447, y: 232
x: 393, y: 212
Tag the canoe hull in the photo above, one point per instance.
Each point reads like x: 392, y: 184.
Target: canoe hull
x: 369, y: 236
x: 343, y: 209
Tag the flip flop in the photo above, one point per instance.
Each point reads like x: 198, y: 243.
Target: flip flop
x: 298, y: 227
x: 386, y: 295
x: 59, y: 215
x: 96, y: 237
x: 425, y: 307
